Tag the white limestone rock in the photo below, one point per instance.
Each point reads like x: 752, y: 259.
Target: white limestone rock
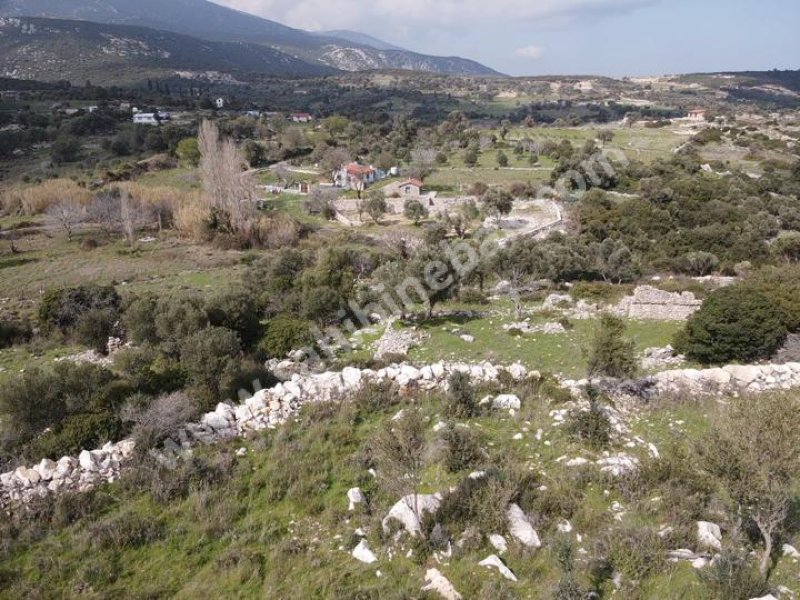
x: 436, y: 582
x: 506, y: 402
x: 363, y: 553
x: 498, y: 542
x: 709, y: 535
x: 493, y: 562
x: 520, y: 527
x: 408, y: 511
x: 790, y: 551
x: 46, y: 469
x: 355, y: 496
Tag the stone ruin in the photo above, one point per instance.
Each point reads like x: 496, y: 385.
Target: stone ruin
x: 649, y: 303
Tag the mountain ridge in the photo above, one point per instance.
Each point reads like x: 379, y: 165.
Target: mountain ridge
x: 209, y: 21
x: 57, y: 49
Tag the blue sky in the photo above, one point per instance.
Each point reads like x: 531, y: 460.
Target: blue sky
x: 533, y: 37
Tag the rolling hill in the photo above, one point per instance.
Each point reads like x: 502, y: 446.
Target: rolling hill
x: 206, y: 20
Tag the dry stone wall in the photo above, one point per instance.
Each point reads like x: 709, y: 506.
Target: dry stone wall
x: 730, y: 380
x: 268, y: 408
x: 649, y: 303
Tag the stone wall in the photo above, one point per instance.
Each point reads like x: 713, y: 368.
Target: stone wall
x: 268, y: 408
x: 731, y: 380
x: 649, y: 303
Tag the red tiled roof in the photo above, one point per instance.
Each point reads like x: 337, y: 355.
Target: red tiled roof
x: 359, y: 170
x: 414, y: 182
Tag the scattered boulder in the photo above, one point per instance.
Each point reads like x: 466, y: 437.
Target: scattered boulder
x: 498, y: 542
x: 790, y: 551
x: 521, y: 528
x: 709, y: 535
x: 507, y: 402
x: 355, y: 496
x: 436, y: 582
x: 618, y: 464
x: 408, y: 511
x: 493, y: 562
x: 363, y: 553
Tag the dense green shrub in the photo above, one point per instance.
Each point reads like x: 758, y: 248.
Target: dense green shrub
x: 138, y: 319
x: 208, y: 356
x: 610, y: 353
x: 77, y: 432
x: 76, y: 402
x: 598, y: 291
x: 283, y: 334
x: 62, y: 309
x: 237, y: 311
x: 95, y: 326
x: 461, y: 401
x: 782, y: 286
x: 734, y: 324
x: 14, y: 332
x: 591, y: 426
x: 463, y: 449
x: 177, y: 317
x: 480, y: 502
x: 149, y: 371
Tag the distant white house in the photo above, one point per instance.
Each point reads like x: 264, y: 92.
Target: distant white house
x: 219, y: 103
x: 697, y: 114
x: 141, y: 118
x: 301, y: 117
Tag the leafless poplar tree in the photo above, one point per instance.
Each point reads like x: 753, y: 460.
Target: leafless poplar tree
x: 227, y: 187
x: 65, y: 216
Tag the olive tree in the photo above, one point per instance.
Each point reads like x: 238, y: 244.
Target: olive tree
x: 754, y: 458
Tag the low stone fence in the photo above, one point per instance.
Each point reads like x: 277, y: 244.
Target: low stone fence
x: 268, y: 408
x: 731, y: 380
x: 649, y: 303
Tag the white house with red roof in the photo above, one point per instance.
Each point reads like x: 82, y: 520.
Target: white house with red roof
x: 355, y: 176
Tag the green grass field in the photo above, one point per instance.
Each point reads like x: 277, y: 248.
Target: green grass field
x: 562, y: 354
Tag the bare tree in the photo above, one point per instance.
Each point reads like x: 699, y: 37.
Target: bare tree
x: 333, y: 159
x: 422, y: 162
x: 227, y: 187
x: 65, y: 216
x: 11, y: 236
x: 320, y: 201
x: 133, y: 215
x: 283, y: 174
x: 517, y: 277
x: 105, y: 211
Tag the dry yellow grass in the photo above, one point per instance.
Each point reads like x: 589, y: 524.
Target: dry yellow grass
x: 35, y: 199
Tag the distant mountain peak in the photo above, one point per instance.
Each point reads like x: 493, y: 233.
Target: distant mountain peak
x: 359, y: 38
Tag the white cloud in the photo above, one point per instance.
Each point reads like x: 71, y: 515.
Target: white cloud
x: 443, y: 14
x: 532, y: 52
